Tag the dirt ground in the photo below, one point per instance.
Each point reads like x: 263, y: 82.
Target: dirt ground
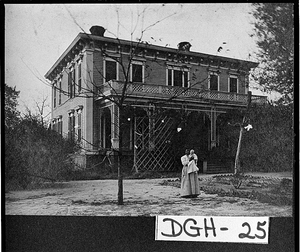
x: 142, y: 197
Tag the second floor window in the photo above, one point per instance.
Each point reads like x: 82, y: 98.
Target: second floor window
x: 233, y: 87
x: 137, y: 72
x: 74, y: 82
x: 79, y: 76
x: 54, y: 96
x: 178, y: 77
x: 60, y: 91
x: 71, y: 83
x: 110, y: 70
x: 214, y: 82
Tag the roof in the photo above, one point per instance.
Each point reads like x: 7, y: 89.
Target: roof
x: 81, y: 37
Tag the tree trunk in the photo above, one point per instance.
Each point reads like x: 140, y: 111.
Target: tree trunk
x: 120, y: 175
x: 120, y: 181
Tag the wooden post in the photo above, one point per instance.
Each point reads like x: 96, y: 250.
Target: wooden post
x: 237, y: 165
x: 134, y: 146
x: 237, y: 161
x: 150, y: 111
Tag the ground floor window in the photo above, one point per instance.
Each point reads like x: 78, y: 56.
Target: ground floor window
x: 79, y: 118
x: 60, y: 125
x: 71, y: 126
x: 105, y: 129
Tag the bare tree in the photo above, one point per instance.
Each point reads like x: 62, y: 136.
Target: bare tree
x: 120, y: 91
x: 124, y: 58
x: 41, y: 111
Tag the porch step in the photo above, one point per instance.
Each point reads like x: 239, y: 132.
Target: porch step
x: 213, y: 168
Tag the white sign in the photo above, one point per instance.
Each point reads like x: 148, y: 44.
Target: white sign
x: 212, y: 229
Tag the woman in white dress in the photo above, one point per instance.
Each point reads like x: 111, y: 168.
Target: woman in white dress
x: 189, y: 177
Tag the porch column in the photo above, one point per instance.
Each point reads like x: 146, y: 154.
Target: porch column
x: 89, y: 109
x: 101, y: 129
x: 150, y: 112
x: 115, y: 121
x: 213, y: 128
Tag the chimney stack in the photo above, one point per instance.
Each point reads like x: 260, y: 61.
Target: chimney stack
x: 184, y: 46
x: 97, y: 30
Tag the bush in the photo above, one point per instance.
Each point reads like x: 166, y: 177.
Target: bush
x: 34, y: 154
x: 268, y: 147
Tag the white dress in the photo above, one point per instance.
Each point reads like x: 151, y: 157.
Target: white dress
x: 189, y: 178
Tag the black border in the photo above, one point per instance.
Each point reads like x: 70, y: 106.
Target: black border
x: 58, y: 233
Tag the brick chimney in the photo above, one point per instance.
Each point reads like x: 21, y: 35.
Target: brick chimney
x: 97, y: 30
x: 184, y: 46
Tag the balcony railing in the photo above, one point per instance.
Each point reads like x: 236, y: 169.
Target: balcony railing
x: 164, y: 91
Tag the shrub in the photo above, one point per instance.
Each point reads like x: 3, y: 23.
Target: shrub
x: 269, y: 145
x: 34, y: 154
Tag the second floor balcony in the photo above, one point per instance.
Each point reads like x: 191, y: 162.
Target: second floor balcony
x: 173, y: 93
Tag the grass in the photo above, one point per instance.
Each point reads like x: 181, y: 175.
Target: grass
x: 88, y: 175
x: 267, y: 190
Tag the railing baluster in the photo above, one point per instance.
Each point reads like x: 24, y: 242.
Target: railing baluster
x: 181, y: 92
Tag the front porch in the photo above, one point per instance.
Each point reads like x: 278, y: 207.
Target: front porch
x: 154, y: 139
x: 148, y: 125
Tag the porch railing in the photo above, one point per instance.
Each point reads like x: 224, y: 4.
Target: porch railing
x: 164, y: 91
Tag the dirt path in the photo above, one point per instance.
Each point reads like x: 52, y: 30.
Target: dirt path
x: 144, y: 197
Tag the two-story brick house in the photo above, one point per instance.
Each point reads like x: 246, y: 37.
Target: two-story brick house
x: 162, y: 90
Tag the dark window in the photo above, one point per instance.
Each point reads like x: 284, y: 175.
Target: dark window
x: 70, y: 86
x: 233, y: 85
x: 74, y: 82
x: 177, y: 78
x: 54, y: 125
x: 59, y: 95
x: 79, y: 127
x: 137, y: 73
x: 170, y: 77
x: 59, y: 124
x: 106, y: 129
x: 180, y: 78
x: 110, y: 70
x: 54, y: 96
x: 185, y: 79
x: 126, y: 140
x: 71, y: 127
x: 79, y: 77
x: 214, y: 82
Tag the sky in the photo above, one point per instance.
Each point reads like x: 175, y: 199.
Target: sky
x: 37, y: 34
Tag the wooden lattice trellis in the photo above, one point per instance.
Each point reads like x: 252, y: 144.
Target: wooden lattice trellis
x: 152, y: 144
